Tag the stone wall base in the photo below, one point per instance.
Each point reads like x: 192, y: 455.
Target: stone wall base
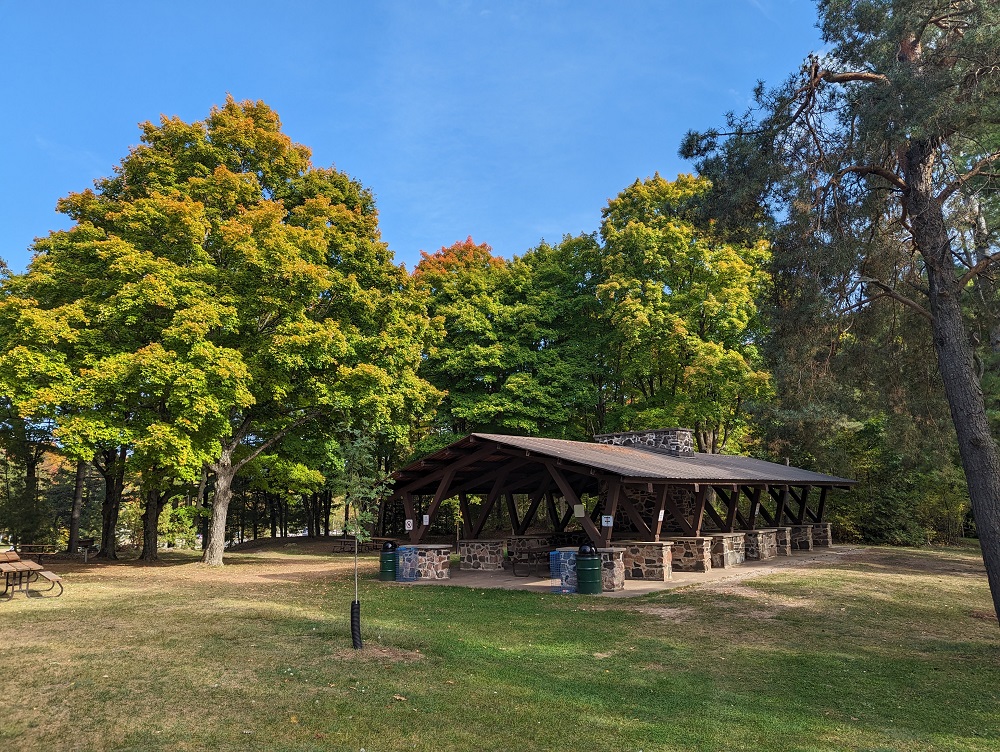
x: 482, y: 555
x: 647, y: 560
x: 761, y: 545
x: 728, y: 550
x: 783, y: 540
x: 612, y: 569
x: 823, y: 535
x: 691, y: 554
x: 802, y: 537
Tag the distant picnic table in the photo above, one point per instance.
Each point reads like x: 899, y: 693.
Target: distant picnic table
x: 18, y: 574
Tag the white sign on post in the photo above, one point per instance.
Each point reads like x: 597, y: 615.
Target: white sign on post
x: 607, y: 520
x: 579, y: 511
x: 427, y: 520
x: 660, y: 516
x: 409, y: 525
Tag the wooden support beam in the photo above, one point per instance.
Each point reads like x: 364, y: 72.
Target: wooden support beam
x: 410, y: 515
x: 803, y: 502
x: 645, y: 533
x: 463, y: 505
x: 452, y: 467
x: 440, y: 495
x: 515, y: 521
x: 700, y: 499
x: 487, y: 507
x: 572, y: 499
x: 550, y: 507
x: 482, y: 480
x: 732, y: 508
x: 781, y: 500
x: 716, y: 517
x: 536, y: 499
x: 565, y: 518
x: 661, y: 500
x: 675, y: 512
x: 755, y: 507
x: 615, y: 492
x: 821, y: 510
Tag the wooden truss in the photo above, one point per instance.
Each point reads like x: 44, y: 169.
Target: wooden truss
x: 497, y: 473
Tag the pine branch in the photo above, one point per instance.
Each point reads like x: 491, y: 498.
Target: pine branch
x: 977, y: 169
x: 899, y: 298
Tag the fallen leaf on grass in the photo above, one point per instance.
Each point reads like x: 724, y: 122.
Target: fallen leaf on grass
x: 398, y: 697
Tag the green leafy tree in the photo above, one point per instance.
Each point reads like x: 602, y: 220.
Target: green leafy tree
x: 681, y: 302
x: 217, y: 294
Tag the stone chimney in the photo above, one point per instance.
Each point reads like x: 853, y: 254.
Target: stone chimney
x: 678, y: 442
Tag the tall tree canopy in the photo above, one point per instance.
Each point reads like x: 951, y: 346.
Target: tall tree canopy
x: 879, y: 158
x: 216, y: 294
x: 681, y: 302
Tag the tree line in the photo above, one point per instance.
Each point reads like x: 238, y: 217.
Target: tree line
x: 223, y: 316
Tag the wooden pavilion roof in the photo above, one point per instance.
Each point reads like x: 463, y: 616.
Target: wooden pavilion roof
x: 474, y: 462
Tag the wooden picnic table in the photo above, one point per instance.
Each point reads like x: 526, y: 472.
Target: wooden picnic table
x: 36, y: 549
x: 18, y: 574
x: 530, y: 558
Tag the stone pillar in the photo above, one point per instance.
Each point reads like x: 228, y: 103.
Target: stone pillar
x: 761, y: 545
x: 802, y: 537
x: 434, y: 561
x: 612, y: 569
x: 823, y: 535
x: 647, y: 560
x: 783, y: 540
x: 691, y: 554
x: 728, y: 550
x: 483, y: 555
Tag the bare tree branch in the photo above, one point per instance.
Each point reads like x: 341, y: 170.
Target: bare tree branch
x: 872, y: 170
x: 843, y: 78
x: 977, y: 269
x: 976, y: 170
x: 899, y: 298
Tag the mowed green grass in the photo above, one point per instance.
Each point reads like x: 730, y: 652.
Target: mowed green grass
x: 888, y: 650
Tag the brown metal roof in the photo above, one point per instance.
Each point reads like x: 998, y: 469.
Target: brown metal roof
x: 638, y: 462
x: 493, y: 451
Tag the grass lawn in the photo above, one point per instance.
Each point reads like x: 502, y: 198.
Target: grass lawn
x: 883, y: 650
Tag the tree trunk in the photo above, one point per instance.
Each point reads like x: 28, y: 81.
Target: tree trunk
x: 74, y: 518
x: 113, y: 472
x: 224, y: 474
x: 980, y: 456
x: 155, y: 501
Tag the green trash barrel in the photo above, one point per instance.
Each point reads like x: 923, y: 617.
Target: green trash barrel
x: 388, y: 571
x: 588, y: 571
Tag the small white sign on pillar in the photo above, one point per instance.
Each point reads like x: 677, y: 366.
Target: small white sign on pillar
x: 408, y: 525
x: 607, y: 520
x: 579, y: 510
x: 659, y: 517
x: 427, y: 520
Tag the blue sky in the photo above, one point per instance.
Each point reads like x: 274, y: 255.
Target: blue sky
x: 506, y: 120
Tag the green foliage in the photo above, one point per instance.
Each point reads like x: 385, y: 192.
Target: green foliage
x: 681, y: 302
x: 215, y: 294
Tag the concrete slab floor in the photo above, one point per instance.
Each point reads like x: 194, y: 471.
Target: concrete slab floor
x: 504, y: 580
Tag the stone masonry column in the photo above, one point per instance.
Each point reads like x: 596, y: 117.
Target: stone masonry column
x: 783, y: 540
x: 761, y: 545
x: 802, y: 537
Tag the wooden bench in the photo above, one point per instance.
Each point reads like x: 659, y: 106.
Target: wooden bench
x: 18, y: 574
